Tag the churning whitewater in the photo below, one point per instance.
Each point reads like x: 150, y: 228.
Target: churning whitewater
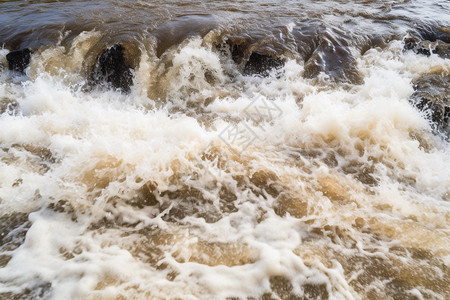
x: 241, y: 150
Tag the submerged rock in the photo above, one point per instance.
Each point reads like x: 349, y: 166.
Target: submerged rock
x: 19, y: 60
x: 432, y: 33
x: 111, y: 68
x: 175, y: 31
x: 334, y: 58
x: 328, y: 50
x: 432, y: 96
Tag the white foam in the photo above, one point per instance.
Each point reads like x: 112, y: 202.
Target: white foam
x: 105, y: 146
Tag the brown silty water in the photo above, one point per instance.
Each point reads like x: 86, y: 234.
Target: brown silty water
x: 238, y: 150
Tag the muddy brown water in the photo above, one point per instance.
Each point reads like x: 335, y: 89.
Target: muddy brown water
x: 263, y: 150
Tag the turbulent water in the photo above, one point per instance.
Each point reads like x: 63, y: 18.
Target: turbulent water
x: 317, y: 179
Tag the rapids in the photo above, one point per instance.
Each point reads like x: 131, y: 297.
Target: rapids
x: 321, y: 177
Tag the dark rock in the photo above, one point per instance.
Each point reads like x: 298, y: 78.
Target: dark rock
x: 414, y: 44
x: 432, y: 96
x: 251, y: 56
x: 410, y: 43
x: 112, y: 69
x: 237, y: 51
x: 426, y: 47
x: 442, y: 49
x: 19, y: 60
x: 261, y: 64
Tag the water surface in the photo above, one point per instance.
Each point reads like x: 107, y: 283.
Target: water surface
x: 318, y: 181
